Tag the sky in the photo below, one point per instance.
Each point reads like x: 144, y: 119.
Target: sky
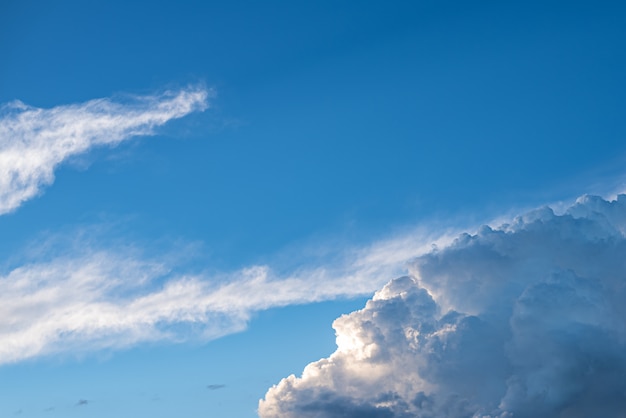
x: 200, y: 199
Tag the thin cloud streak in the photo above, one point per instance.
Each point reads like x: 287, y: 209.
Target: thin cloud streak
x: 99, y: 299
x: 94, y: 298
x: 34, y: 141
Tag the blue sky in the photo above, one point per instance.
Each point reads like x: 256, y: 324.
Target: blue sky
x: 308, y: 152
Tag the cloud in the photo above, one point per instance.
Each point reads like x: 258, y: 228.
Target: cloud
x: 87, y: 297
x: 34, y: 141
x: 73, y: 296
x: 523, y: 320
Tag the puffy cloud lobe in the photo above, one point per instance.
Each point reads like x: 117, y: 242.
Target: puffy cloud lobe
x: 33, y: 141
x: 524, y: 320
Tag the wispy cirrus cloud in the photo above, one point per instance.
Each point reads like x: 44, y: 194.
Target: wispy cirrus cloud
x: 34, y: 141
x: 75, y: 298
x: 91, y: 298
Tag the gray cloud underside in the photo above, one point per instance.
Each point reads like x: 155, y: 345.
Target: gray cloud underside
x: 524, y: 320
x: 33, y: 141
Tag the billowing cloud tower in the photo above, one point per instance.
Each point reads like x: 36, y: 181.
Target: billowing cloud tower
x: 525, y: 320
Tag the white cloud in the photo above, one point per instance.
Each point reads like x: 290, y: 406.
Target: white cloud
x: 524, y: 320
x: 94, y: 299
x: 33, y: 141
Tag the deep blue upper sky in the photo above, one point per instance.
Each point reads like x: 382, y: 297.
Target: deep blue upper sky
x: 332, y: 121
x: 328, y: 115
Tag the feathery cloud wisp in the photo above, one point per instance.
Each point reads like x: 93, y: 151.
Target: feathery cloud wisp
x: 524, y: 320
x: 33, y: 141
x: 95, y: 299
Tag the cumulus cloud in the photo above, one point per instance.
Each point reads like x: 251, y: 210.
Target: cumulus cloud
x: 523, y: 320
x: 34, y: 141
x: 73, y: 297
